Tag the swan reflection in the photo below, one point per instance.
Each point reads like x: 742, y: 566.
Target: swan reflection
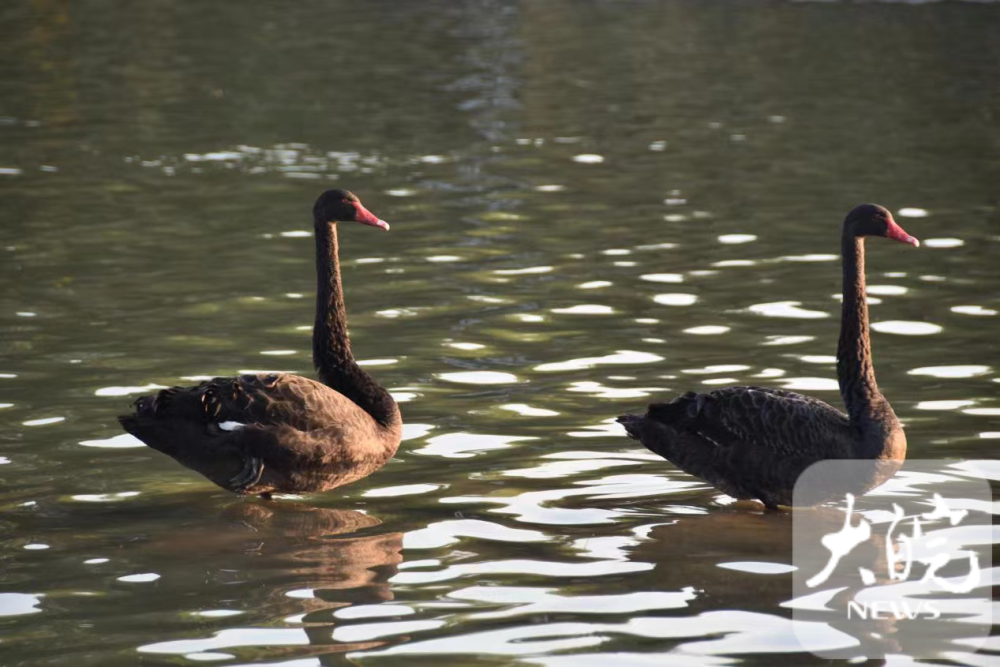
x: 305, y: 565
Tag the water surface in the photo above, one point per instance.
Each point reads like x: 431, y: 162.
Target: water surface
x: 594, y: 205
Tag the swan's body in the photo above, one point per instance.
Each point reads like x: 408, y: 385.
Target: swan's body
x: 283, y: 433
x: 753, y: 442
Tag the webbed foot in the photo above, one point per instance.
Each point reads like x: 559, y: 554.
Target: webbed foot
x: 253, y: 468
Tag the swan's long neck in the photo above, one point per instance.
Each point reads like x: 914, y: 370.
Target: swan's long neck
x: 855, y: 371
x: 331, y: 346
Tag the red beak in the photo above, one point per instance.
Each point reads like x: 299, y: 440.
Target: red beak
x: 897, y: 233
x: 366, y: 217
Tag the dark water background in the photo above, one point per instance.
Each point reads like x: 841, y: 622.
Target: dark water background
x: 593, y: 203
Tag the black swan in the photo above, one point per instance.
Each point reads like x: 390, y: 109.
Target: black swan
x: 754, y: 442
x: 277, y: 433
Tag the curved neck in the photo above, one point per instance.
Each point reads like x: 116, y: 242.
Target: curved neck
x: 332, y: 355
x: 855, y: 371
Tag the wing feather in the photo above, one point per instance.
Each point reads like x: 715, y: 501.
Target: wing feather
x: 782, y: 422
x: 266, y: 400
x: 749, y: 442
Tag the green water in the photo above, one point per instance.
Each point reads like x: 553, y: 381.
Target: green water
x: 592, y: 203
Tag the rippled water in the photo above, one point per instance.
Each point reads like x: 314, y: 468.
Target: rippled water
x: 593, y: 204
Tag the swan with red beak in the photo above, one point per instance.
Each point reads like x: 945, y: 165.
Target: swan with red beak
x: 895, y: 232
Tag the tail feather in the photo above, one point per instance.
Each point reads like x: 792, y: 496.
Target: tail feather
x: 143, y: 410
x: 684, y: 409
x: 662, y: 421
x: 129, y: 422
x: 632, y: 424
x: 669, y: 430
x: 155, y: 416
x: 145, y: 406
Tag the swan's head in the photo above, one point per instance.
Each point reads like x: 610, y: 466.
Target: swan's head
x: 875, y: 220
x: 344, y: 206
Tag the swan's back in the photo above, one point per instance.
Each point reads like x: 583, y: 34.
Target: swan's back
x: 750, y: 442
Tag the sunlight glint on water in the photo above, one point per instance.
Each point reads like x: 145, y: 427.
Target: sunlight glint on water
x: 576, y: 232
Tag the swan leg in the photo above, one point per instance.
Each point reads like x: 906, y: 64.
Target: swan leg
x: 253, y: 468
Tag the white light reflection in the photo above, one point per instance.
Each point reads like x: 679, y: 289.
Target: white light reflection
x: 549, y: 601
x: 445, y: 533
x: 465, y: 445
x: 786, y: 309
x: 619, y: 357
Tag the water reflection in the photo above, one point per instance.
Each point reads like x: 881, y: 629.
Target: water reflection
x: 317, y: 561
x: 578, y: 227
x: 19, y: 604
